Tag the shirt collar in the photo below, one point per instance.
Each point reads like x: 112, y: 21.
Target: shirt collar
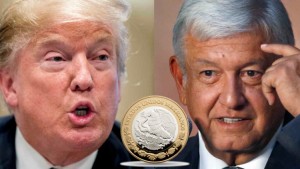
x: 29, y: 158
x: 208, y: 161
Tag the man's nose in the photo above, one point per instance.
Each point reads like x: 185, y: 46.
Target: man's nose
x: 82, y: 77
x: 232, y: 94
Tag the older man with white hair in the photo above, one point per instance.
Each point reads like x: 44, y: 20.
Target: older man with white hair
x: 61, y: 64
x: 237, y: 71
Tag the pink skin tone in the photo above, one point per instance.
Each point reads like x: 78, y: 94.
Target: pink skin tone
x: 64, y: 67
x: 223, y: 92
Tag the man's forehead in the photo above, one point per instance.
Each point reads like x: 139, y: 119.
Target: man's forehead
x: 240, y: 44
x: 75, y: 32
x: 242, y: 48
x: 54, y: 36
x: 234, y: 40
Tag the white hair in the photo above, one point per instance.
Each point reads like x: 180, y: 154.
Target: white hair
x: 207, y: 19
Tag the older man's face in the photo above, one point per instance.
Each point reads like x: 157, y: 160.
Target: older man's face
x: 224, y: 95
x: 65, y: 89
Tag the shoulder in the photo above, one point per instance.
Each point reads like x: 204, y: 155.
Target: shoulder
x: 7, y: 141
x: 190, y: 153
x: 289, y: 137
x: 7, y: 123
x: 282, y: 158
x: 112, y: 152
x: 114, y: 139
x: 286, y: 152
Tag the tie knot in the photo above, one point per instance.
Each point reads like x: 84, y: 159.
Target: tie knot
x: 232, y: 167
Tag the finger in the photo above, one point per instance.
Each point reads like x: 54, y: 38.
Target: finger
x: 280, y: 49
x: 269, y: 93
x: 268, y: 89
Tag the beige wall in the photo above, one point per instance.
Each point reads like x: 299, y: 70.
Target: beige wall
x: 165, y: 14
x: 139, y: 82
x: 3, y: 110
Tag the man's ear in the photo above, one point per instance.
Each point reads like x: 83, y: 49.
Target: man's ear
x: 178, y: 77
x: 7, y: 88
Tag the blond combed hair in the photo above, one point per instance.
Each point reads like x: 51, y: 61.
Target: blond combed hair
x: 20, y: 20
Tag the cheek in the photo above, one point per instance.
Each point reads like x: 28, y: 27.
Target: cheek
x: 200, y: 100
x: 39, y: 98
x: 109, y: 92
x: 256, y: 98
x: 43, y: 89
x: 267, y: 117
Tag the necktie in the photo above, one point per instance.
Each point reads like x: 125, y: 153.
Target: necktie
x: 232, y: 167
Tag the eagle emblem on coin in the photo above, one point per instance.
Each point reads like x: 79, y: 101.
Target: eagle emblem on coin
x: 155, y: 129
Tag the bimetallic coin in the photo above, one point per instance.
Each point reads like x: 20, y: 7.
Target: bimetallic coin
x: 155, y: 129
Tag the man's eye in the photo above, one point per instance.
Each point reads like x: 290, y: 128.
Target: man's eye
x: 208, y: 76
x: 251, y: 73
x: 54, y: 57
x: 207, y: 73
x: 251, y: 77
x: 103, y: 57
x: 57, y: 59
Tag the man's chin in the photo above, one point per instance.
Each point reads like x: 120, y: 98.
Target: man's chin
x: 231, y: 146
x: 85, y: 140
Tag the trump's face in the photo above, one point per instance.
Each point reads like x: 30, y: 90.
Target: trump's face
x: 222, y: 90
x: 64, y: 90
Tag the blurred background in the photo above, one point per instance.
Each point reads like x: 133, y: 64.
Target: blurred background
x: 150, y: 26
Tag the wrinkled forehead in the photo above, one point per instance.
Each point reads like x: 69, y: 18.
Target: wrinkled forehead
x: 75, y: 32
x: 242, y: 48
x: 236, y: 39
x: 239, y: 43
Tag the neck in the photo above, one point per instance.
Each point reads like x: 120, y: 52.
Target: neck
x: 59, y: 155
x: 64, y: 159
x: 232, y: 158
x: 238, y: 157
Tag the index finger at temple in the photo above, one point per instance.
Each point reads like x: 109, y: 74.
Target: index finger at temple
x: 280, y: 49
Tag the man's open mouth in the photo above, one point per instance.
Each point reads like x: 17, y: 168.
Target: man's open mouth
x: 82, y: 111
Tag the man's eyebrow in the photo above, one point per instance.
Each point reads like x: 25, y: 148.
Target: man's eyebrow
x: 103, y: 41
x: 51, y: 39
x: 254, y: 62
x: 108, y: 39
x: 205, y: 62
x: 261, y: 61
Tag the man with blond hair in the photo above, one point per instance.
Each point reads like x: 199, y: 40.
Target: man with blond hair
x: 61, y: 64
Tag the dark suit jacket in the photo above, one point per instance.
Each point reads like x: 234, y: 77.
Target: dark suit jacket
x: 109, y: 155
x: 285, y: 155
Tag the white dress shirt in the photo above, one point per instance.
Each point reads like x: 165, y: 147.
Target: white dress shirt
x: 29, y: 158
x: 208, y: 161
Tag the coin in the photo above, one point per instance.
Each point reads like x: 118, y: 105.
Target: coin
x: 155, y: 129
